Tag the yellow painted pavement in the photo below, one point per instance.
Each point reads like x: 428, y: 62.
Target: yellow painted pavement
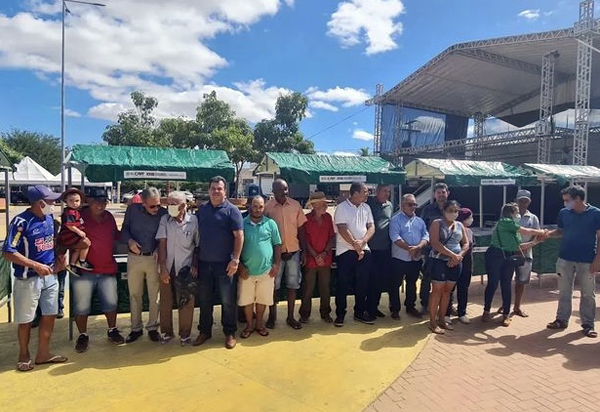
x: 319, y: 368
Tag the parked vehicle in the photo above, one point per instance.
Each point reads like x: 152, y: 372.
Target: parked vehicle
x: 127, y: 196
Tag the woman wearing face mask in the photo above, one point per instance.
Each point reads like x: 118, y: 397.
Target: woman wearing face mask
x: 450, y: 244
x: 506, y: 242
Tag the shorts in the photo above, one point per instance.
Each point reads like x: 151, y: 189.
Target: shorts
x: 293, y: 273
x: 256, y: 289
x: 83, y: 288
x: 523, y: 273
x: 440, y: 272
x: 68, y: 239
x: 31, y: 292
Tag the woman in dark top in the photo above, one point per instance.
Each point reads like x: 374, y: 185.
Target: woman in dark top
x: 506, y: 242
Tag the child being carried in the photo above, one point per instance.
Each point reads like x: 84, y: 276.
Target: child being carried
x: 72, y: 235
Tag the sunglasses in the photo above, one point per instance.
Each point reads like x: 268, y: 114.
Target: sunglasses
x: 412, y: 204
x: 153, y: 206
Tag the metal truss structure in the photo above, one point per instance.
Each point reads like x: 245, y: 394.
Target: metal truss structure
x: 543, y: 127
x: 378, y: 115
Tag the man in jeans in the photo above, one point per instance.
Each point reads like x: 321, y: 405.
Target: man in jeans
x: 139, y: 231
x: 101, y: 230
x: 409, y: 236
x: 221, y: 229
x: 579, y: 226
x: 380, y: 245
x: 354, y: 222
x: 430, y: 213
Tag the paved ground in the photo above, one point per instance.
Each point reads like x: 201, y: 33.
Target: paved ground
x: 486, y: 367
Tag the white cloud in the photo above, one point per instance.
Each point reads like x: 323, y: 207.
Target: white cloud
x: 160, y: 48
x: 362, y: 135
x: 346, y: 96
x: 373, y: 22
x: 341, y: 153
x: 72, y: 113
x: 530, y: 15
x: 322, y: 105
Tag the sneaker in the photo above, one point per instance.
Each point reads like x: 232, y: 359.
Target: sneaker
x: 379, y: 314
x: 133, y: 336
x: 154, y: 335
x: 115, y: 336
x: 82, y: 343
x: 365, y: 318
x: 557, y: 324
x: 185, y: 341
x: 464, y: 319
x: 61, y: 314
x: 166, y: 337
x: 338, y: 322
x: 85, y: 265
x: 395, y: 315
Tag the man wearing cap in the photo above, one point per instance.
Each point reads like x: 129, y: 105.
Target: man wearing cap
x: 101, y: 229
x: 29, y: 246
x: 320, y: 240
x: 139, y: 231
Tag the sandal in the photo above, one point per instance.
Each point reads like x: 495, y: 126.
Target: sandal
x: 506, y: 321
x: 262, y: 332
x: 520, y: 313
x: 557, y: 324
x: 53, y: 359
x: 24, y: 366
x: 293, y: 323
x: 590, y: 332
x: 246, y: 333
x: 437, y: 330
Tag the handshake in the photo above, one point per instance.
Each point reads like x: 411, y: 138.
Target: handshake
x: 541, y: 235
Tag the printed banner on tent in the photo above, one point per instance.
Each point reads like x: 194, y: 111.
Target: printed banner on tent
x: 497, y: 182
x: 341, y: 179
x: 154, y: 174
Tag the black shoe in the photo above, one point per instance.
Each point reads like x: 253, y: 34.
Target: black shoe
x: 396, y: 315
x: 424, y: 311
x: 133, y: 336
x: 339, y: 322
x: 154, y: 335
x: 414, y: 313
x: 61, y: 314
x: 82, y: 343
x: 85, y: 265
x: 379, y: 314
x: 365, y: 318
x: 115, y: 337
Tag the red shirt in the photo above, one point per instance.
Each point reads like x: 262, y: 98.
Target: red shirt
x: 103, y: 235
x: 137, y: 198
x: 318, y: 236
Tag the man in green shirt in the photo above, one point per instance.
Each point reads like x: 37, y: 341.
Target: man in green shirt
x: 260, y: 260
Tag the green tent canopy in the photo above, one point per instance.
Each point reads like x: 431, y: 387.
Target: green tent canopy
x: 563, y: 174
x: 101, y: 163
x: 468, y: 172
x: 313, y: 169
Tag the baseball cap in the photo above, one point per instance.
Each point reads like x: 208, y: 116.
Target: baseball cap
x: 523, y: 194
x: 41, y: 192
x: 97, y: 193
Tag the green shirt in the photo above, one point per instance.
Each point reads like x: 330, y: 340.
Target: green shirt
x: 382, y: 215
x: 506, y: 235
x: 259, y: 239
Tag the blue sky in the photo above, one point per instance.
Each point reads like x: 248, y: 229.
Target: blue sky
x: 249, y: 51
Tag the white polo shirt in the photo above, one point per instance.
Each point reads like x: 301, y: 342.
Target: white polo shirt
x: 356, y: 220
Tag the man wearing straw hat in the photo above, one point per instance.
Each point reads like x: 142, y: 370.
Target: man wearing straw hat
x: 320, y: 240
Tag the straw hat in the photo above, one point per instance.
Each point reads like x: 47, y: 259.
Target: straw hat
x: 316, y: 197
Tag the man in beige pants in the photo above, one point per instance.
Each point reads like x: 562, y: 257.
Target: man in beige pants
x: 139, y: 231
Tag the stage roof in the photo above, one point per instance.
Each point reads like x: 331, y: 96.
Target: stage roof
x: 499, y: 77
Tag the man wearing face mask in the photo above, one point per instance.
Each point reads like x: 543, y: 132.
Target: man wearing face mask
x: 579, y: 226
x: 178, y: 239
x: 29, y: 246
x: 139, y: 231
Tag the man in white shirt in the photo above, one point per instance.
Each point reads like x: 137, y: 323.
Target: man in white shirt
x: 354, y: 222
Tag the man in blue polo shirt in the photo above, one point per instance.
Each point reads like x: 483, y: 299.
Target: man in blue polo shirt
x: 30, y: 247
x: 579, y: 226
x: 221, y: 239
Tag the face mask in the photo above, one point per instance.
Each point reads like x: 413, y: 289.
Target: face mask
x: 452, y: 216
x: 517, y: 217
x: 48, y: 210
x: 173, y: 210
x: 569, y: 204
x: 468, y: 221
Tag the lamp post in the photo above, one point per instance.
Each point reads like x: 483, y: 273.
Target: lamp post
x: 65, y: 10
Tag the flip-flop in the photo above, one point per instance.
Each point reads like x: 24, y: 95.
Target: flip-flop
x: 246, y: 333
x: 521, y: 313
x: 54, y: 359
x: 262, y: 332
x: 25, y: 366
x: 293, y: 323
x: 437, y: 330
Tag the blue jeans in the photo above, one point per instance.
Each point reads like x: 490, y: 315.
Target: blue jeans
x: 83, y: 288
x: 351, y: 271
x: 381, y: 271
x: 292, y: 271
x: 498, y: 271
x: 211, y: 275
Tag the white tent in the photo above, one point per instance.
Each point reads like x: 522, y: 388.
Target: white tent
x: 29, y: 172
x: 76, y: 179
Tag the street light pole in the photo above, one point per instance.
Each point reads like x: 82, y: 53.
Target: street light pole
x: 62, y: 87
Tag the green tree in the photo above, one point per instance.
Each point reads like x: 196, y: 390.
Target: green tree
x: 43, y: 148
x: 364, y: 151
x: 137, y: 127
x: 282, y: 134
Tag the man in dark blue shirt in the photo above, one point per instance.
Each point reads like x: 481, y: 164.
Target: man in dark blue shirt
x: 579, y: 226
x: 30, y: 247
x: 221, y: 230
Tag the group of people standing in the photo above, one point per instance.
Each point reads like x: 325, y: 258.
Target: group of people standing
x: 245, y: 261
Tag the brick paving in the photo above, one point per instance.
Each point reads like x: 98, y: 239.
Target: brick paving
x: 487, y: 367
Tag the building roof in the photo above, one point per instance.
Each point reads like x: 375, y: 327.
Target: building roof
x: 499, y: 77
